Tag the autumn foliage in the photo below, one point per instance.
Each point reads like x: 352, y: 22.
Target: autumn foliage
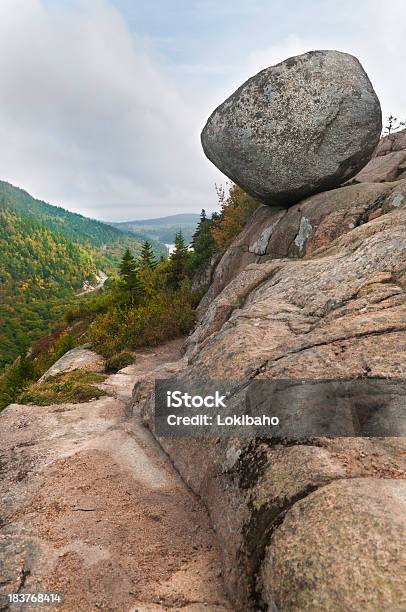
x: 235, y: 210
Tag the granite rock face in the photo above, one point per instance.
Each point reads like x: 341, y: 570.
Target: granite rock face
x: 308, y: 563
x: 339, y: 313
x: 388, y: 162
x: 317, y: 291
x: 304, y: 228
x: 391, y: 143
x: 303, y: 126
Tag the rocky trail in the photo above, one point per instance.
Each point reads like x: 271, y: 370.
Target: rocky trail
x: 93, y: 509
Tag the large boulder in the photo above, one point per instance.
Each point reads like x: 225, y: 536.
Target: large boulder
x: 303, y: 126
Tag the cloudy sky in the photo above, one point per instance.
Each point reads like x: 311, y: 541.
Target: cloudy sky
x: 102, y: 101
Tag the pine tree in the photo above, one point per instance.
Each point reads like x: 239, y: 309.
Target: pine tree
x: 178, y: 262
x: 147, y: 258
x: 128, y: 271
x: 127, y: 266
x: 202, y: 242
x: 198, y: 230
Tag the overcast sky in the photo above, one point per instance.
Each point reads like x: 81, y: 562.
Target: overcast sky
x: 102, y: 101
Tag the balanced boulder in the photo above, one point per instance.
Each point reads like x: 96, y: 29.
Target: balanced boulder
x: 303, y: 126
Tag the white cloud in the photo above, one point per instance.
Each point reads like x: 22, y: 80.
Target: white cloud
x: 94, y: 118
x: 88, y: 119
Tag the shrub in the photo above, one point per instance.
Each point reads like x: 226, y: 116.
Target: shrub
x: 14, y: 378
x: 74, y: 387
x: 28, y: 368
x: 118, y: 361
x: 393, y: 125
x: 72, y: 313
x: 167, y: 315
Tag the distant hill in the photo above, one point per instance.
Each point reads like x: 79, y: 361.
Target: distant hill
x: 73, y: 226
x: 46, y: 254
x: 163, y: 228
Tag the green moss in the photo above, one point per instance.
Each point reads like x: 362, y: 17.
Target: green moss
x: 67, y: 387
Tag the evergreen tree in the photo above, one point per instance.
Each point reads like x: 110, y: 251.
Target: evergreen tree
x: 128, y: 271
x: 198, y: 230
x: 127, y: 266
x: 178, y: 262
x: 202, y: 242
x: 147, y: 258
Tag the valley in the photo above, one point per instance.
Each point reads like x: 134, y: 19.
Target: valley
x: 47, y: 255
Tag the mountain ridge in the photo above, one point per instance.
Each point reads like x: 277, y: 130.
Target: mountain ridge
x: 152, y: 220
x: 56, y: 217
x: 163, y: 228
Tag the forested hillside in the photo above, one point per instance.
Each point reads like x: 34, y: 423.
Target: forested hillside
x: 74, y: 227
x: 46, y: 253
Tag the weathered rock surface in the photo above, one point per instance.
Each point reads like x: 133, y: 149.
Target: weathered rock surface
x: 309, y: 565
x: 318, y: 292
x: 378, y: 170
x: 303, y: 126
x: 388, y: 162
x: 304, y: 228
x: 79, y: 358
x: 202, y: 279
x: 391, y: 143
